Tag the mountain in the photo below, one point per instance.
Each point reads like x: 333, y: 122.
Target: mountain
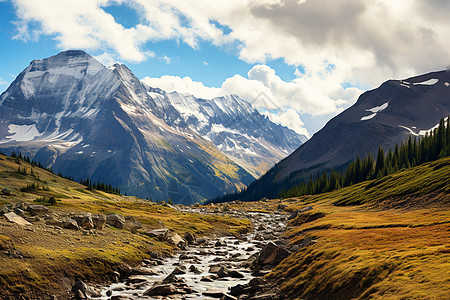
x: 382, y: 117
x: 84, y: 120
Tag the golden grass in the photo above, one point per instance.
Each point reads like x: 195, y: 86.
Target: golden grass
x: 373, y: 250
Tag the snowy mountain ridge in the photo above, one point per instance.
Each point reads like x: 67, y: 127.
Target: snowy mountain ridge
x: 85, y: 120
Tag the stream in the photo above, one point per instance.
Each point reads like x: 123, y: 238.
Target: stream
x: 228, y: 258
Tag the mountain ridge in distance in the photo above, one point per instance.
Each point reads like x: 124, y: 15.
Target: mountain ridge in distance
x: 382, y: 117
x: 85, y: 120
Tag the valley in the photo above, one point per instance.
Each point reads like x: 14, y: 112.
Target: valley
x: 392, y: 245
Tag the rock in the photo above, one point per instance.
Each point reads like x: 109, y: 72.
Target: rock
x: 132, y: 224
x: 93, y: 292
x: 83, y: 220
x: 98, y: 221
x: 33, y: 219
x: 197, y: 204
x: 175, y: 239
x: 143, y: 271
x: 281, y: 206
x: 19, y: 212
x: 236, y: 274
x: 120, y: 297
x: 136, y: 279
x: 79, y: 289
x: 14, y: 218
x: 108, y: 293
x: 51, y: 220
x: 69, y: 223
x: 215, y: 269
x: 38, y: 210
x: 216, y: 293
x: 161, y: 290
x: 306, y: 208
x: 6, y: 192
x: 189, y: 237
x: 116, y: 221
x: 202, y: 240
x: 53, y: 297
x: 223, y: 272
x: 194, y: 269
x: 271, y: 254
x: 160, y: 234
x: 209, y: 278
x: 237, y: 290
x: 219, y: 244
x: 178, y: 271
x: 293, y: 215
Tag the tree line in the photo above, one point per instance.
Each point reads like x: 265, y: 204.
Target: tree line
x: 101, y: 186
x: 432, y: 146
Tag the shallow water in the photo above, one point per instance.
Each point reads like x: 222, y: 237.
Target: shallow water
x: 216, y: 255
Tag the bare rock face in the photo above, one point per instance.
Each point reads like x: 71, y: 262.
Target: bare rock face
x: 271, y: 254
x: 83, y: 220
x: 69, y: 223
x: 37, y: 210
x: 158, y: 233
x: 116, y: 221
x: 14, y: 218
x: 99, y: 221
x: 176, y: 239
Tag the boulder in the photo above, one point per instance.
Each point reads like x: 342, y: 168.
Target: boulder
x: 194, y: 270
x: 143, y: 271
x: 98, y: 220
x: 51, y: 220
x: 69, y: 223
x: 223, y: 272
x: 271, y: 254
x: 179, y: 271
x: 281, y: 206
x: 236, y: 274
x: 161, y: 290
x: 79, y: 289
x: 190, y: 238
x: 19, y: 212
x: 175, y: 239
x: 37, y: 210
x: 14, y: 218
x: 160, y: 234
x: 116, y: 221
x: 306, y: 208
x: 83, y: 220
x: 132, y: 224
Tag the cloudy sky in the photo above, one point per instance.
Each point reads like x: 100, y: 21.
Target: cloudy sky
x: 300, y: 62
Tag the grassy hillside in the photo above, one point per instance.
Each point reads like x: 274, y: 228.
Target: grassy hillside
x: 382, y: 239
x: 52, y: 257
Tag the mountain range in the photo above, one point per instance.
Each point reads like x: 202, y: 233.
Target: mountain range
x: 382, y: 117
x: 85, y: 120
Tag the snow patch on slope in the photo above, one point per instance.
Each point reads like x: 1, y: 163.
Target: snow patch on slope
x: 23, y: 133
x: 431, y: 81
x: 374, y: 110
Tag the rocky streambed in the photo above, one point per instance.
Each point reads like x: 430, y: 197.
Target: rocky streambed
x: 221, y: 268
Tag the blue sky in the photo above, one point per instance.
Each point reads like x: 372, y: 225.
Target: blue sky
x: 310, y: 62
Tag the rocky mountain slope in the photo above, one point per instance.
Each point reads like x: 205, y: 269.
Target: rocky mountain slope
x: 85, y: 120
x: 383, y: 117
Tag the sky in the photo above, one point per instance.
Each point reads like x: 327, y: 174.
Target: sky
x: 300, y: 62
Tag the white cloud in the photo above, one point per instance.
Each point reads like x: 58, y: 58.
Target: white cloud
x: 205, y: 63
x: 361, y: 42
x: 167, y: 60
x: 106, y: 59
x: 2, y: 82
x: 290, y: 119
x: 278, y: 99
